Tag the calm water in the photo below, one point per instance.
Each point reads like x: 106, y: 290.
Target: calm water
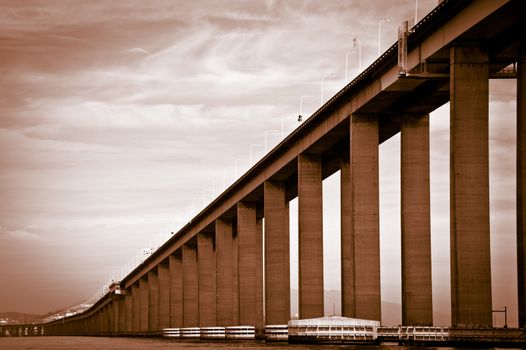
x: 100, y: 343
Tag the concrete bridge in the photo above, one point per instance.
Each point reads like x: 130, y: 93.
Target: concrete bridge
x: 230, y: 264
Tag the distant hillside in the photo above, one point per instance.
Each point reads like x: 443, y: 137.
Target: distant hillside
x: 18, y: 317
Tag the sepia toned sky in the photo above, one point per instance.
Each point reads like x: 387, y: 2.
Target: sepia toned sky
x: 120, y: 119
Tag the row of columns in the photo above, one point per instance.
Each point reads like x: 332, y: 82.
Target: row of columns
x: 21, y: 330
x: 216, y: 279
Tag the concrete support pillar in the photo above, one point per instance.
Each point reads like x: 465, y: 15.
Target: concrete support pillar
x: 347, y: 239
x: 98, y: 323
x: 153, y: 301
x: 109, y: 317
x: 310, y: 236
x: 224, y: 267
x: 469, y: 186
x: 105, y: 319
x: 122, y: 316
x: 260, y: 317
x: 190, y: 285
x: 247, y: 237
x: 175, y: 265
x: 164, y: 296
x: 417, y: 296
x: 521, y: 185
x: 143, y: 296
x: 128, y: 305
x: 108, y: 313
x: 94, y: 324
x: 235, y: 278
x: 277, y: 261
x: 136, y: 308
x: 207, y: 279
x: 115, y: 309
x: 364, y: 192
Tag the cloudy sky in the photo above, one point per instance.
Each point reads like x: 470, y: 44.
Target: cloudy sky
x: 120, y: 119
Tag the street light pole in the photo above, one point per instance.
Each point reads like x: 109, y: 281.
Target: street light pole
x: 252, y: 146
x: 266, y: 137
x: 300, y: 116
x: 416, y: 12
x: 356, y: 43
x: 328, y: 76
x: 347, y: 66
x: 235, y: 167
x: 383, y: 20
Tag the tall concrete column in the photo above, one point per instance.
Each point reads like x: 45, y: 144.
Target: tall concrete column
x: 190, y: 285
x: 144, y: 296
x: 115, y: 309
x: 469, y: 186
x: 247, y: 237
x: 106, y: 314
x: 175, y: 265
x: 164, y: 296
x: 114, y: 317
x: 277, y: 261
x: 347, y: 239
x: 235, y: 277
x: 206, y: 280
x: 153, y: 301
x: 94, y: 324
x: 109, y: 317
x: 106, y: 319
x: 136, y: 308
x: 521, y: 185
x: 310, y: 236
x: 224, y: 267
x: 89, y: 326
x: 97, y: 325
x: 100, y: 322
x: 260, y: 322
x: 128, y: 305
x: 364, y: 191
x: 122, y: 315
x: 417, y: 295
